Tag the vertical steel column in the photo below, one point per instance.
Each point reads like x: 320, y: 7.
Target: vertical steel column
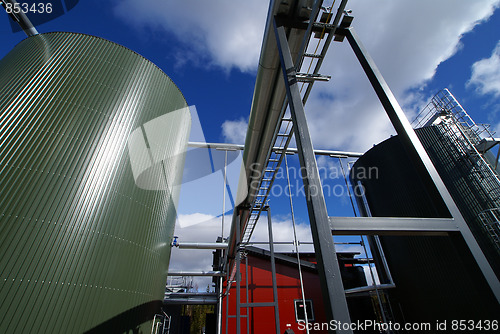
x: 220, y: 292
x: 417, y: 153
x: 273, y: 271
x: 328, y: 267
x: 227, y: 307
x: 238, y: 278
x: 219, y: 305
x: 247, y: 297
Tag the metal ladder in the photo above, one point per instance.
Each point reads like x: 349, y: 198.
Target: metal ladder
x: 466, y: 134
x: 161, y: 324
x: 468, y: 154
x: 284, y: 134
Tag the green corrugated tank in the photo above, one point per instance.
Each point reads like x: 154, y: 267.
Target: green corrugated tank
x: 92, y: 137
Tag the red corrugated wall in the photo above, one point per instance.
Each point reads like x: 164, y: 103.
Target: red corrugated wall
x: 260, y: 289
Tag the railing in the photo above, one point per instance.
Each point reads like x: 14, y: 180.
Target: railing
x: 491, y: 222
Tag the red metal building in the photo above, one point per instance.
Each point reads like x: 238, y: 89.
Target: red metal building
x: 257, y: 287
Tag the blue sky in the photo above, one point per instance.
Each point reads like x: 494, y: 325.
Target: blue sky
x: 210, y: 49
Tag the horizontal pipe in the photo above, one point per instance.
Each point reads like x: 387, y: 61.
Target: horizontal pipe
x: 190, y: 301
x: 392, y: 226
x: 278, y: 243
x: 289, y: 150
x: 201, y: 245
x: 220, y: 146
x: 195, y: 273
x: 370, y: 288
x: 190, y: 294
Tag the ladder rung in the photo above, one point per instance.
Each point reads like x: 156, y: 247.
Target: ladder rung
x: 305, y: 77
x: 312, y: 55
x: 323, y: 25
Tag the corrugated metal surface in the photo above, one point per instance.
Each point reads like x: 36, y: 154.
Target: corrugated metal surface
x: 436, y: 277
x: 468, y: 185
x: 80, y: 242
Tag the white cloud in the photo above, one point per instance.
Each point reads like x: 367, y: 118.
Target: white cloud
x: 201, y: 259
x: 234, y: 132
x: 197, y: 259
x: 226, y: 33
x: 408, y: 40
x: 283, y: 232
x: 486, y: 74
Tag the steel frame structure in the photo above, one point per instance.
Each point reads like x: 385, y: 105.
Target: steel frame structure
x: 322, y: 226
x: 421, y: 160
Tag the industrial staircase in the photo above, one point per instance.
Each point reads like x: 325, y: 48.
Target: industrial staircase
x: 466, y: 142
x: 491, y: 222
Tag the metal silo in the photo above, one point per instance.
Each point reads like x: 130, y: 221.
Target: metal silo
x: 436, y: 276
x: 92, y: 142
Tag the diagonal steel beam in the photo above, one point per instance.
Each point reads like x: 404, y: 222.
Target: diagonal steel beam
x: 392, y: 226
x: 328, y: 267
x: 417, y: 153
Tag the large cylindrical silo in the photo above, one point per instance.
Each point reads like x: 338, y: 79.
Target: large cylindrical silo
x: 92, y: 142
x: 436, y: 277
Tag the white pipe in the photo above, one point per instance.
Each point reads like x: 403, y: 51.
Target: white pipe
x: 195, y: 273
x: 201, y: 245
x: 237, y: 147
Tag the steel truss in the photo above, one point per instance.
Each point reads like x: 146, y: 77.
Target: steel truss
x: 322, y: 226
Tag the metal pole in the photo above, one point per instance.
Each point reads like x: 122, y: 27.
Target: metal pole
x: 224, y: 198
x: 328, y: 267
x: 227, y: 307
x: 295, y: 242
x: 219, y: 305
x: 380, y: 251
x: 201, y: 245
x: 238, y: 278
x: 21, y: 18
x: 417, y: 153
x: 248, y: 299
x: 273, y: 271
x: 235, y: 147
